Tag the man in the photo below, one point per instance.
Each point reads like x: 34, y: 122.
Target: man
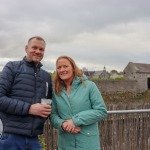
x: 22, y: 85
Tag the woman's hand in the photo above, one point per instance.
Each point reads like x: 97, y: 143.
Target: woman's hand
x: 69, y: 126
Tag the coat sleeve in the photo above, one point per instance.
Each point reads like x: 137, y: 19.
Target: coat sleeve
x: 8, y: 104
x: 97, y: 112
x: 54, y: 117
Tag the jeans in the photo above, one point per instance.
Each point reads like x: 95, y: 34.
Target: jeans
x: 18, y: 142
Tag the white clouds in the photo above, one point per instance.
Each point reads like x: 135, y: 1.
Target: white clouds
x: 95, y: 32
x: 3, y: 61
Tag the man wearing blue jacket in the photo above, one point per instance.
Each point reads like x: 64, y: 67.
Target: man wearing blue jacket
x: 22, y: 85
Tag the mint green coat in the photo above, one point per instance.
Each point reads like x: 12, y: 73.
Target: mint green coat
x: 86, y: 107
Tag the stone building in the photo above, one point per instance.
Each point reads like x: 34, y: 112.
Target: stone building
x: 97, y: 74
x: 139, y: 72
x: 115, y: 75
x: 92, y: 74
x: 102, y: 74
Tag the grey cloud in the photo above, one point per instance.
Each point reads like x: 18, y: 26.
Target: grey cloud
x: 96, y: 31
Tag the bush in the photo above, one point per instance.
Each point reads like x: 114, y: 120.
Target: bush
x: 42, y: 141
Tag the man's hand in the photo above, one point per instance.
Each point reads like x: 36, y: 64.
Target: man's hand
x: 38, y: 109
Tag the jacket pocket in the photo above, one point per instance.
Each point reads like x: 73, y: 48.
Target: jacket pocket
x: 4, y: 137
x: 88, y: 132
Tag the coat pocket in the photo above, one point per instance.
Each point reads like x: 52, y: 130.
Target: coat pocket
x: 4, y: 137
x: 88, y: 132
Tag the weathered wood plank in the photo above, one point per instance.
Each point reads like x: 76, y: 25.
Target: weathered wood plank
x: 117, y: 131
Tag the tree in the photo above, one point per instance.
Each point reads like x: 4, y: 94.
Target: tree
x: 114, y: 71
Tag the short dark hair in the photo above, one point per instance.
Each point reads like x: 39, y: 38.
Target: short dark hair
x: 38, y: 38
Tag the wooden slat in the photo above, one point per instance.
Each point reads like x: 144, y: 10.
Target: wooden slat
x: 117, y: 131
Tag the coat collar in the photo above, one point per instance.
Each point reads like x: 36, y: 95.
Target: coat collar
x: 32, y: 64
x: 76, y: 82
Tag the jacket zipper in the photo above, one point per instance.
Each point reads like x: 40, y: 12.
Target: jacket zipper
x: 35, y: 76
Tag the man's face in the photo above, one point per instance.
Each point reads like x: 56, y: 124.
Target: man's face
x: 35, y: 50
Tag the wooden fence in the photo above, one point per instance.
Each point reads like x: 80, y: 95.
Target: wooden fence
x: 119, y: 131
x: 126, y: 131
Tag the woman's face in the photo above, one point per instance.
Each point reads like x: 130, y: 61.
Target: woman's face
x: 65, y: 70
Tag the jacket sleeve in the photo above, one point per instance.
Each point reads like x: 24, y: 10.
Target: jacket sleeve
x: 97, y: 112
x: 8, y: 104
x: 54, y: 117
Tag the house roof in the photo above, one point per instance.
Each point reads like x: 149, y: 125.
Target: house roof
x: 88, y: 73
x: 97, y: 74
x: 141, y: 68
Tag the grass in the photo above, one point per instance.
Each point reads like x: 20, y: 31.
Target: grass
x: 126, y: 97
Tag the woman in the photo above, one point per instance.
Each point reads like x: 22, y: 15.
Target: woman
x: 76, y: 108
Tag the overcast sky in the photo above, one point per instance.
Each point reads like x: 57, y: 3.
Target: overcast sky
x: 96, y: 33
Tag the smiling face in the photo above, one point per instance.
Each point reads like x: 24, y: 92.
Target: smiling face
x: 65, y: 70
x: 35, y: 50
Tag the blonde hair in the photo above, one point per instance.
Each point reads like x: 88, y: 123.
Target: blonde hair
x: 58, y: 83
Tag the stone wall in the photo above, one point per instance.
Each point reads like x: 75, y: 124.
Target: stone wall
x: 122, y: 86
x: 142, y: 81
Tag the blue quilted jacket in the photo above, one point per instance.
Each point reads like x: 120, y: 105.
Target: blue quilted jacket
x: 22, y: 84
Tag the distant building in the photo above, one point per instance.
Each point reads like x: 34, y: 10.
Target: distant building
x: 139, y: 72
x: 84, y: 69
x: 116, y: 75
x: 103, y: 74
x: 90, y: 74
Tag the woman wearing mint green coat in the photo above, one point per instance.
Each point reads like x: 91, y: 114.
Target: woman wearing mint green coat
x: 77, y: 107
